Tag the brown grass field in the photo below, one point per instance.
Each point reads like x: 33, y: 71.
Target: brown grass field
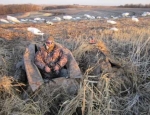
x: 125, y: 91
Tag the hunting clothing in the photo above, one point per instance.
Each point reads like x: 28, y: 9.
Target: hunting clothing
x: 56, y: 57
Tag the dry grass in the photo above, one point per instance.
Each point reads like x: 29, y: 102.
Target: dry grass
x: 113, y: 92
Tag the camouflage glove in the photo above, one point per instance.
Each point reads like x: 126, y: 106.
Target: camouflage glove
x: 51, y: 65
x: 56, y: 69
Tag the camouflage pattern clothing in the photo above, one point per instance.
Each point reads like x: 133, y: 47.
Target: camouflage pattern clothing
x: 55, y: 58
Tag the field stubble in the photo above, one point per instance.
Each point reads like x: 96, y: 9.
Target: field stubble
x: 126, y: 92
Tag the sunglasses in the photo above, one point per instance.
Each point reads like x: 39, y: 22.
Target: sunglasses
x: 49, y: 42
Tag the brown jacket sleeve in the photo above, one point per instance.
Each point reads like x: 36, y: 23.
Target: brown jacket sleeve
x: 63, y: 59
x: 39, y: 61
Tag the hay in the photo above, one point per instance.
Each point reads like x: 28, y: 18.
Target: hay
x: 118, y: 91
x: 7, y: 85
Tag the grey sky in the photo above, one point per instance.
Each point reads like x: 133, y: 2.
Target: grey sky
x: 81, y: 2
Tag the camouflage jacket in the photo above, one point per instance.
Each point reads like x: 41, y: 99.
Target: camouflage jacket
x: 56, y: 57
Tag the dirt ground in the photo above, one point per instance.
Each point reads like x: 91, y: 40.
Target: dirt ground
x: 72, y: 28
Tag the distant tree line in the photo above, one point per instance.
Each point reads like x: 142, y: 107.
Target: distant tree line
x: 60, y: 7
x: 20, y: 8
x: 135, y: 6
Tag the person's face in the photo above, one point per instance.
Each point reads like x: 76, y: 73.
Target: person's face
x: 49, y: 44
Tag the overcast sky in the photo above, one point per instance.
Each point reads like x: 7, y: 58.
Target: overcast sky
x: 81, y: 2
